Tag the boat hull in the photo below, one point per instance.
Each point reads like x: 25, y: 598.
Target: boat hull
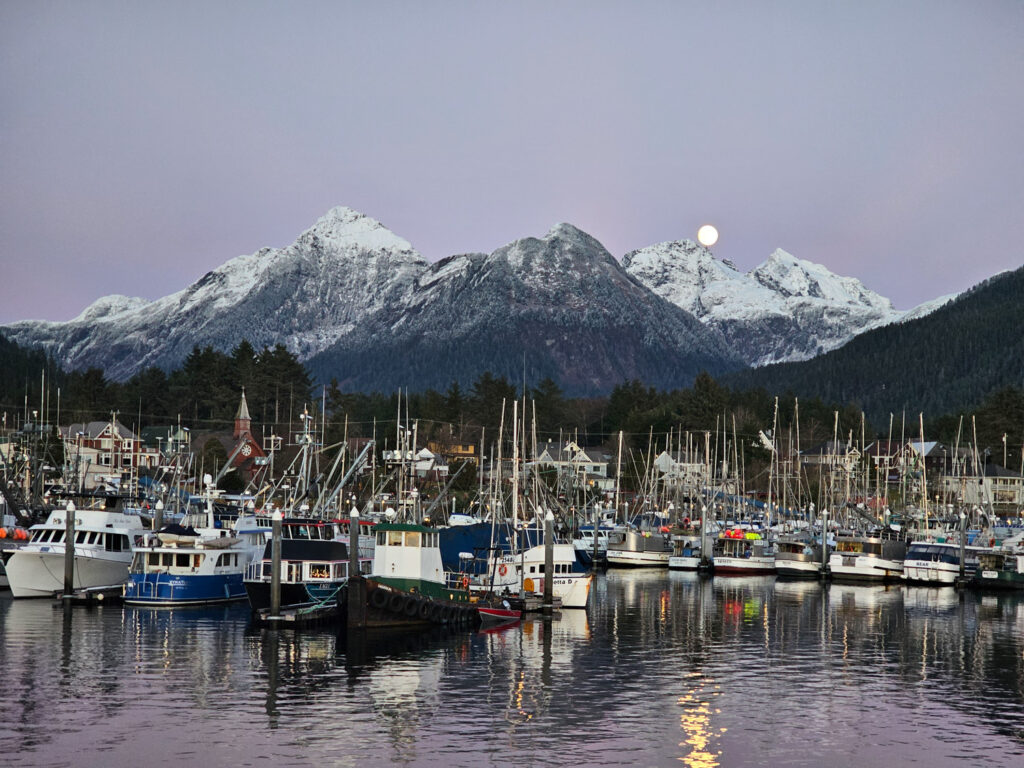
x: 859, y: 568
x: 923, y: 572
x: 797, y: 565
x: 743, y: 566
x: 684, y: 562
x: 39, y: 572
x: 630, y: 559
x: 170, y: 590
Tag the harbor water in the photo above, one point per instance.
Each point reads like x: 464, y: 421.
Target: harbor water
x: 664, y: 669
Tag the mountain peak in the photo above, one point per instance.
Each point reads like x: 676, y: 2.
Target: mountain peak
x: 344, y: 227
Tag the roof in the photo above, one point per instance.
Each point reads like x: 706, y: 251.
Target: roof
x: 94, y: 429
x: 243, y: 409
x: 402, y: 527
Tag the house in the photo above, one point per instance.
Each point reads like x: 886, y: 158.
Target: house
x: 571, y: 459
x: 100, y: 452
x: 452, y: 452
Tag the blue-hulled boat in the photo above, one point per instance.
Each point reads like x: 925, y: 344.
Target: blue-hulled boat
x: 183, y: 565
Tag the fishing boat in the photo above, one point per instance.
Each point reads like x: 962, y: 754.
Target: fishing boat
x: 876, y: 556
x: 12, y: 538
x: 584, y: 543
x: 314, y: 565
x: 635, y: 547
x: 408, y: 586
x: 798, y: 556
x: 686, y: 549
x: 742, y: 552
x: 1000, y: 569
x: 938, y: 562
x: 182, y: 565
x: 508, y: 572
x: 102, y: 552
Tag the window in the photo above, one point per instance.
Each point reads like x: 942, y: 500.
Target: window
x: 381, y: 538
x: 154, y: 558
x: 181, y: 560
x: 412, y: 538
x: 319, y: 571
x: 394, y: 538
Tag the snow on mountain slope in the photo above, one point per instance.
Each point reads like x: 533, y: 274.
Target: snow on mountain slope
x: 559, y: 304
x: 358, y: 302
x: 786, y: 309
x: 343, y: 269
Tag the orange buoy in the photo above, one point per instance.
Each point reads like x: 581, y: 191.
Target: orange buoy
x: 3, y: 533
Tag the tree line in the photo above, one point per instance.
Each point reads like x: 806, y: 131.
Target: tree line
x: 204, y: 393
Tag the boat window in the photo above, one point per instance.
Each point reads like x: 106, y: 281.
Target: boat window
x: 394, y: 538
x: 92, y: 537
x: 137, y: 562
x: 381, y: 538
x: 340, y: 570
x: 412, y: 538
x: 366, y: 566
x: 181, y: 561
x: 79, y: 537
x: 154, y: 558
x: 343, y: 527
x: 319, y: 570
x: 294, y: 572
x: 267, y: 573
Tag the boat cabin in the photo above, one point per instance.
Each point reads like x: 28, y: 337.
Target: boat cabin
x: 406, y: 551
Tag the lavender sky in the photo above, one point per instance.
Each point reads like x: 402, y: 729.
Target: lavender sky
x: 144, y: 143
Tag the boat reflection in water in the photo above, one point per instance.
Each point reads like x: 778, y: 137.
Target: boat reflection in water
x: 662, y: 669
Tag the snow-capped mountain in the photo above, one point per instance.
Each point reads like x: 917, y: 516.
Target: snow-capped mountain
x: 358, y: 303
x: 560, y: 305
x: 342, y: 270
x: 786, y: 309
x: 361, y: 305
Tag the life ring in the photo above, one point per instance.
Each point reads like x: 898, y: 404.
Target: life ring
x: 502, y: 569
x: 465, y: 581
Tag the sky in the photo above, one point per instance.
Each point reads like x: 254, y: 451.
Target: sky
x: 144, y: 144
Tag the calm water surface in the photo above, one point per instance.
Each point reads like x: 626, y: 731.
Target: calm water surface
x: 665, y: 669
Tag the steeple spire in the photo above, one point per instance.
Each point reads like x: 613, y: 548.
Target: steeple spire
x: 242, y: 418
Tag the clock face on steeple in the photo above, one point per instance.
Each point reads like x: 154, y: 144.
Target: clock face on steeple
x: 246, y: 449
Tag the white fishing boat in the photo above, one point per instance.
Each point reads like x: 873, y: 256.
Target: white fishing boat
x: 102, y: 552
x: 635, y: 548
x: 938, y: 562
x: 509, y: 571
x: 874, y: 556
x: 686, y: 549
x: 798, y: 556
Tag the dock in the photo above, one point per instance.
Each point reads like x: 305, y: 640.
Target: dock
x: 300, y: 616
x: 93, y: 596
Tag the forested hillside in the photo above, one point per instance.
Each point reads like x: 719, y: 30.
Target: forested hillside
x: 947, y: 361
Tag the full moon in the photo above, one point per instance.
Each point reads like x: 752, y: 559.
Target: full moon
x: 707, y: 235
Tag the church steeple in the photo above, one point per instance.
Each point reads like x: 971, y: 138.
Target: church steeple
x: 242, y: 418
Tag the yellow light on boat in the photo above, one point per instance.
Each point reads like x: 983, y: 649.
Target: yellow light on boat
x: 707, y: 235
